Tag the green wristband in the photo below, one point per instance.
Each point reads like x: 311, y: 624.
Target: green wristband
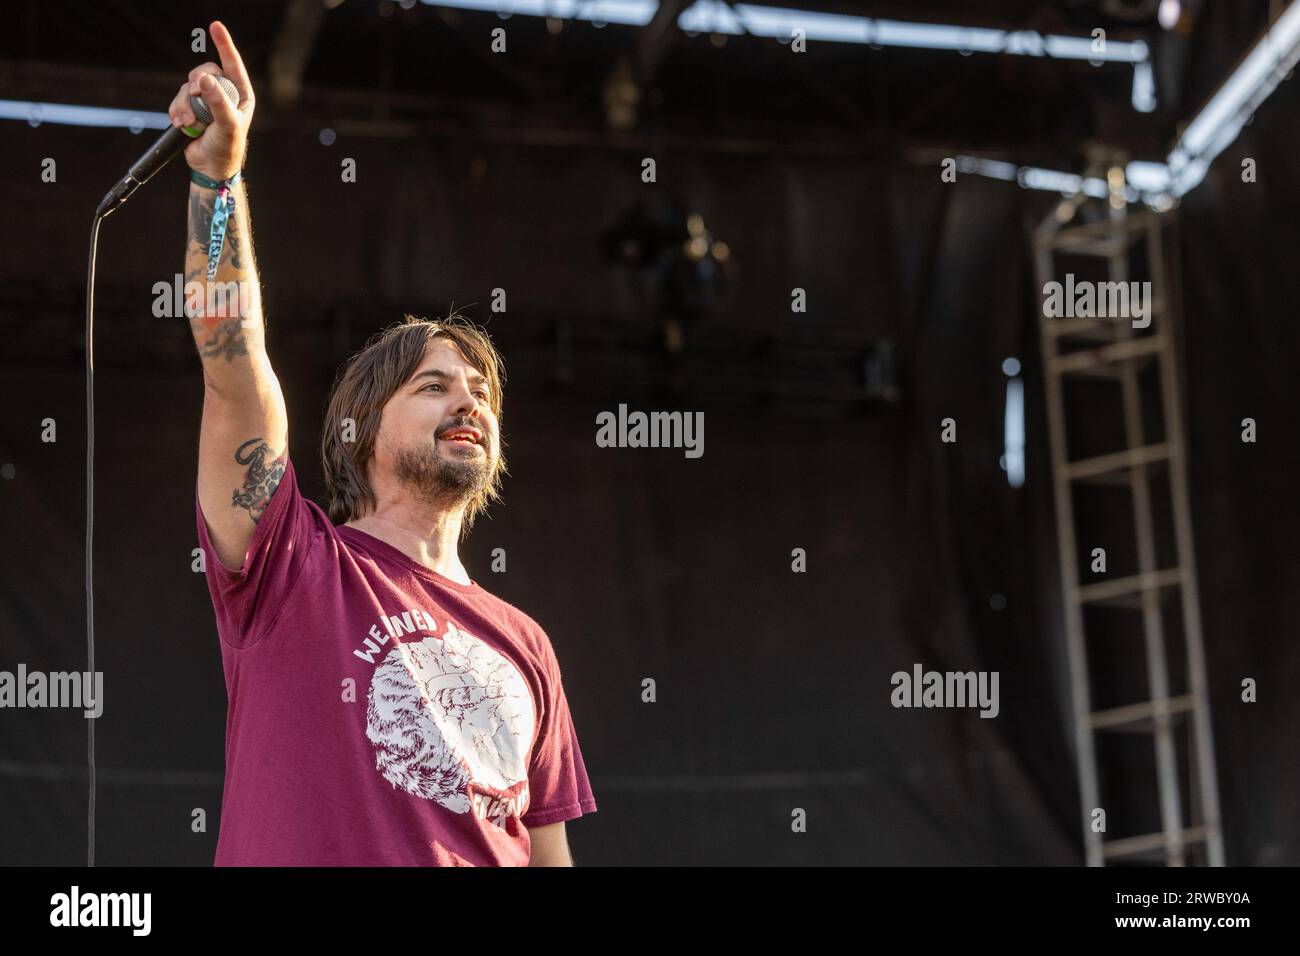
x: 198, y: 177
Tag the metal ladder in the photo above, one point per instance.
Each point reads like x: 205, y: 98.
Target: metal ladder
x: 1114, y: 349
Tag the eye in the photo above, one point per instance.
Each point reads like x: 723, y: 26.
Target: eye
x: 431, y: 385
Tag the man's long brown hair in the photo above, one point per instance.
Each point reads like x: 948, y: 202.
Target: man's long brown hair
x: 363, y: 387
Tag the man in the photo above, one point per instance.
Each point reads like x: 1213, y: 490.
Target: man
x: 384, y: 709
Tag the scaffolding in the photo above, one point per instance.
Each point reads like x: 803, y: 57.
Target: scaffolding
x: 1128, y: 364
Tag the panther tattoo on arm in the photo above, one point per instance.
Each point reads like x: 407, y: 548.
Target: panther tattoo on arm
x: 260, y: 481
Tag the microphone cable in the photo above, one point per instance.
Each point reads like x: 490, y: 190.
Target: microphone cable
x: 90, y: 521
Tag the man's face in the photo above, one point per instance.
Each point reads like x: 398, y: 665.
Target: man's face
x: 438, y: 436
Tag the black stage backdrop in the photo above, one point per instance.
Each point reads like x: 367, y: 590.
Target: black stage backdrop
x: 773, y: 687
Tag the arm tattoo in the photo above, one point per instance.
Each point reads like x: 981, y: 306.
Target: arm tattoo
x: 261, y: 479
x: 233, y: 239
x: 227, y: 338
x: 201, y: 217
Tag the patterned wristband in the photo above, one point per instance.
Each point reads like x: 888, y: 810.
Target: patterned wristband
x: 198, y: 177
x: 222, y: 211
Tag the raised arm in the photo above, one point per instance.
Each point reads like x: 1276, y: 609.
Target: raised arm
x: 244, y: 439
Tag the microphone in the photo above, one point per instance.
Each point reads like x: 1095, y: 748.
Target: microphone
x: 169, y: 145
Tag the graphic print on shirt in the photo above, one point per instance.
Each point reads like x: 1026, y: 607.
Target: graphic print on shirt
x: 451, y: 720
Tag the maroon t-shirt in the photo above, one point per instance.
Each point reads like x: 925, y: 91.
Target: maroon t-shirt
x: 380, y: 714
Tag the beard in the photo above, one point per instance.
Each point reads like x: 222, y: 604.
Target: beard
x: 442, y: 480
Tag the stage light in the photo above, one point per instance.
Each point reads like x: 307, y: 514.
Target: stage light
x: 68, y: 114
x: 1013, y: 454
x: 1144, y: 88
x: 992, y: 168
x: 1050, y: 180
x: 780, y: 22
x: 714, y: 16
x: 628, y: 12
x: 1147, y: 177
x: 1221, y: 119
x: 1169, y: 13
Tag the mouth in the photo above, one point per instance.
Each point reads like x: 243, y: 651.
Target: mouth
x: 463, y: 436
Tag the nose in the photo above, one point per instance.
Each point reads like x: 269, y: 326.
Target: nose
x: 467, y: 403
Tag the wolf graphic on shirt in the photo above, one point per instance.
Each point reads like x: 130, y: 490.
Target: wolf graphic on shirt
x: 452, y: 720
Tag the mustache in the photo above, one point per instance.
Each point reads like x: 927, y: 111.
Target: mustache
x: 463, y: 423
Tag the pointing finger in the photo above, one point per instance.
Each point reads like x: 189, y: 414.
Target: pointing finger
x: 231, y: 62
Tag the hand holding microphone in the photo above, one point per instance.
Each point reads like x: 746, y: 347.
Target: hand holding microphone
x: 219, y: 152
x: 210, y: 118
